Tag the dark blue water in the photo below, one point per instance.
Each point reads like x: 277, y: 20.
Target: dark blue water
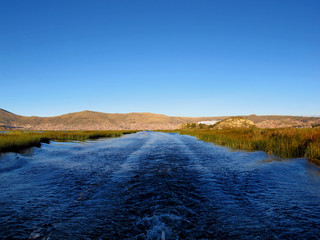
x: 151, y: 185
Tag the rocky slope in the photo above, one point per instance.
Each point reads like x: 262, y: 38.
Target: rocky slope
x: 234, y: 122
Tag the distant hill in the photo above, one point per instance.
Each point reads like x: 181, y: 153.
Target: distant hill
x: 276, y: 121
x: 89, y: 120
x: 234, y: 122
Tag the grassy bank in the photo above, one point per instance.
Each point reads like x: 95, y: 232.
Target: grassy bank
x: 286, y: 143
x: 14, y: 141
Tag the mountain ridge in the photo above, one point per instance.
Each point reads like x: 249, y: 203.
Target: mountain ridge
x: 93, y: 120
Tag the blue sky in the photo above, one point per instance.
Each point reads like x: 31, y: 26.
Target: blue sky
x: 179, y: 58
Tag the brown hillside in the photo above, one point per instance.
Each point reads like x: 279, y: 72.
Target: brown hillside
x: 89, y: 120
x: 274, y: 121
x: 234, y: 122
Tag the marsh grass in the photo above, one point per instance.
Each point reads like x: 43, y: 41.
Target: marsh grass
x: 285, y: 143
x: 15, y: 141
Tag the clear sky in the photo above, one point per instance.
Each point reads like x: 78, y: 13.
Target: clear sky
x: 174, y: 57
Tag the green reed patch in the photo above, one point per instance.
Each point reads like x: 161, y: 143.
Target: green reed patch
x: 286, y: 143
x: 14, y: 141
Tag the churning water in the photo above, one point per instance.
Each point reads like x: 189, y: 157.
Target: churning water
x: 152, y: 185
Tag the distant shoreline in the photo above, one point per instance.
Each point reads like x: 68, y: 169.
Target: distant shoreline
x: 89, y: 120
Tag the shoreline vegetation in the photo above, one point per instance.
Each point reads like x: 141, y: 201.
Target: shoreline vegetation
x: 283, y: 142
x: 15, y: 141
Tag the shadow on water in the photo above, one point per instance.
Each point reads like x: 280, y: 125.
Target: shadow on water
x: 152, y: 185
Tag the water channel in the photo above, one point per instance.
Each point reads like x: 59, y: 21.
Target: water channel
x: 153, y: 185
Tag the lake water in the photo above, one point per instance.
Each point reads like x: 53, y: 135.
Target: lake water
x: 150, y: 185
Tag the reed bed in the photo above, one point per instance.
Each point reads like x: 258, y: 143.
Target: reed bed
x: 15, y: 141
x: 285, y: 143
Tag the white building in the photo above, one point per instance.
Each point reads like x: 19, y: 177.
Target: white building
x: 208, y: 122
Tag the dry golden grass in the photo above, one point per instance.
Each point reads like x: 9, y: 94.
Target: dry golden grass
x: 286, y: 143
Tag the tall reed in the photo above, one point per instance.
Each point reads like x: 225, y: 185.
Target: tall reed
x: 286, y: 143
x: 13, y: 141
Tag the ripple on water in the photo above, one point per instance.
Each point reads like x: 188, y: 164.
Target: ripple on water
x: 145, y: 185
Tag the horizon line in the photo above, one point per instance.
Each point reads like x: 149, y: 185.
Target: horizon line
x: 300, y: 115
